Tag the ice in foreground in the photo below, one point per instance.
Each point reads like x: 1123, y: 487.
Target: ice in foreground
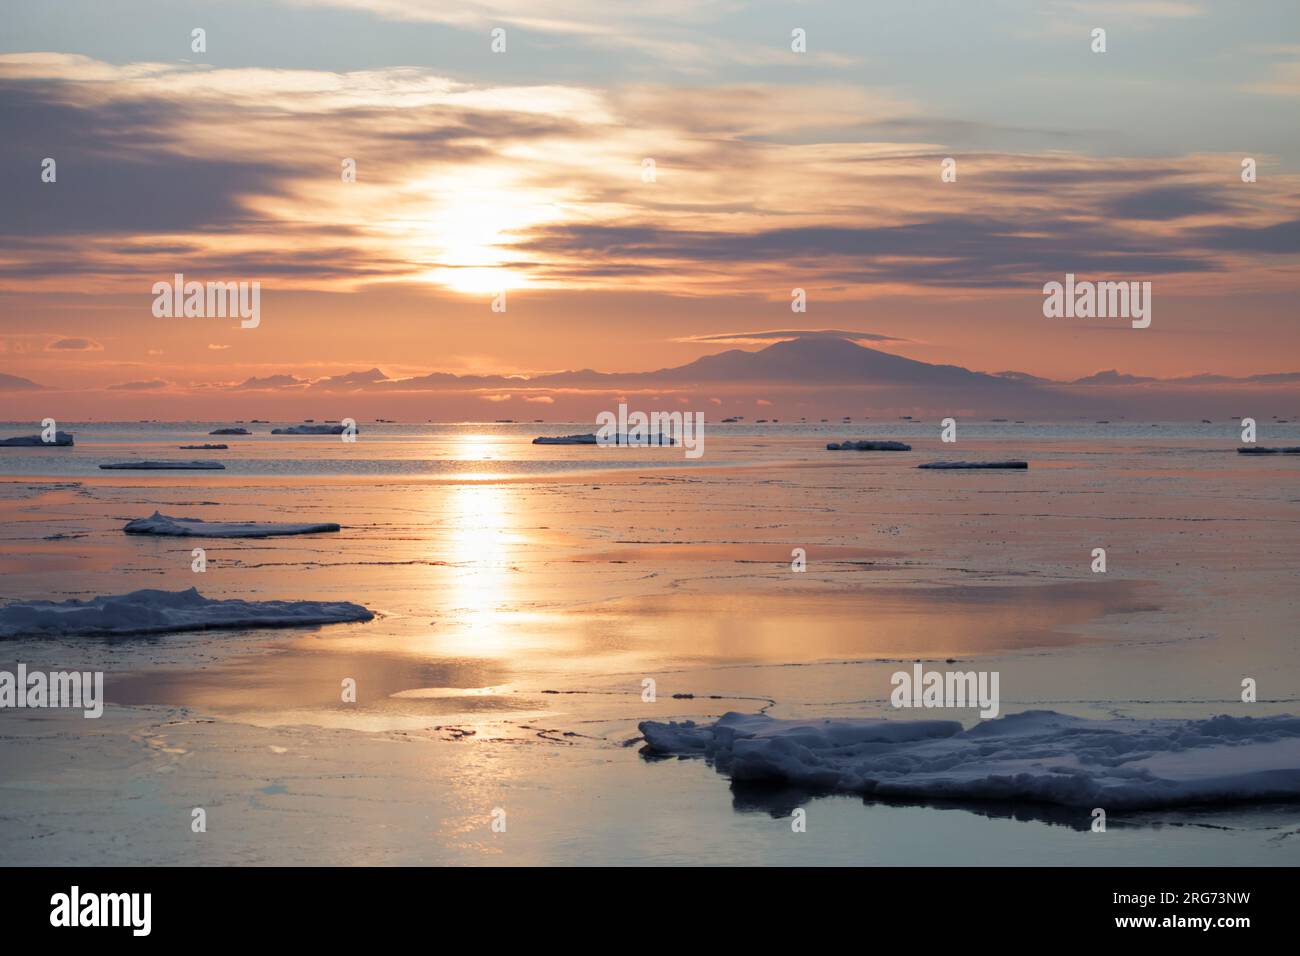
x: 158, y: 612
x: 1039, y: 756
x: 164, y: 466
x: 162, y: 524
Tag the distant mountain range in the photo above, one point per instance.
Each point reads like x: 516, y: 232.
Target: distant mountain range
x: 840, y: 371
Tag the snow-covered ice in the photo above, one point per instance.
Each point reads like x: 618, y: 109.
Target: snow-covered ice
x: 156, y: 612
x: 162, y: 524
x: 29, y: 441
x: 974, y: 464
x: 164, y: 465
x: 1037, y: 756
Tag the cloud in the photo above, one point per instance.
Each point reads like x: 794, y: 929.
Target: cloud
x: 149, y: 386
x: 759, y: 338
x: 476, y: 188
x: 74, y: 345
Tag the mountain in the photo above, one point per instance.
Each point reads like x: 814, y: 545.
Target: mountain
x: 15, y: 383
x: 805, y: 361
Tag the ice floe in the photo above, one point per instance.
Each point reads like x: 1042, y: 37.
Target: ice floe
x: 974, y: 464
x: 31, y: 441
x: 868, y: 446
x: 155, y: 612
x: 1038, y: 756
x: 311, y: 430
x: 162, y: 524
x: 164, y: 465
x: 634, y: 441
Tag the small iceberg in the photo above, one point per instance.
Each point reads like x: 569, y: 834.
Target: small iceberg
x: 203, y: 447
x: 164, y: 465
x: 34, y: 441
x: 230, y: 431
x: 161, y: 524
x: 1042, y: 756
x: 868, y: 446
x: 1287, y: 450
x: 974, y: 464
x: 649, y: 441
x: 311, y: 430
x: 160, y: 612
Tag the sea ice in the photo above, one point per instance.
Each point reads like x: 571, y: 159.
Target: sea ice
x: 162, y: 524
x: 165, y: 465
x: 620, y: 440
x: 868, y: 446
x: 310, y: 430
x: 27, y: 441
x: 1038, y: 756
x: 974, y: 464
x: 156, y: 612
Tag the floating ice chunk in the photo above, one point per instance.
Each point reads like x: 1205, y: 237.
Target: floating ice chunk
x: 974, y: 464
x: 621, y: 440
x: 162, y: 524
x: 30, y: 441
x: 164, y: 465
x: 868, y: 446
x: 311, y: 430
x: 157, y: 612
x: 1034, y: 756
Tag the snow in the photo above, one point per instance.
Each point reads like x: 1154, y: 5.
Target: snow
x: 309, y: 430
x: 160, y: 465
x: 162, y: 524
x: 27, y: 441
x: 868, y: 446
x: 156, y: 612
x: 1038, y: 756
x: 974, y: 464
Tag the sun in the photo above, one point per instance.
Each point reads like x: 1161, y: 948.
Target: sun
x: 468, y: 234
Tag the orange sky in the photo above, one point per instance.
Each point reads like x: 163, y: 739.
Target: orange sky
x: 466, y: 188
